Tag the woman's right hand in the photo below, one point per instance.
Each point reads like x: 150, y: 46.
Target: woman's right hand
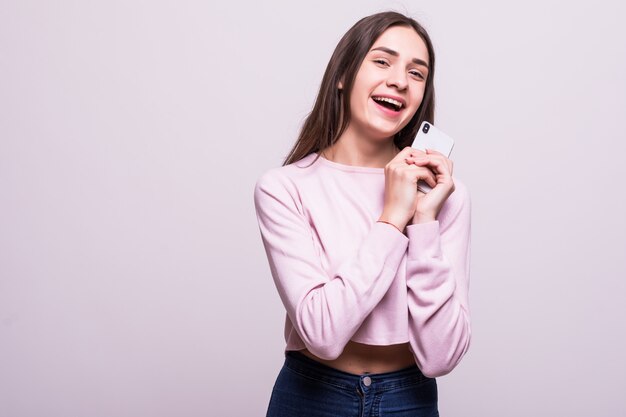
x: 401, y: 187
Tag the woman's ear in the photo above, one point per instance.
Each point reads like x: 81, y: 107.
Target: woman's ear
x: 340, y: 84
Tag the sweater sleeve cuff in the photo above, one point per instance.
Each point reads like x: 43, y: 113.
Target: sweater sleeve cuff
x: 386, y: 239
x: 424, y: 240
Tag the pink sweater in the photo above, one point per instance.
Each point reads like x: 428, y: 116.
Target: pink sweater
x: 343, y: 276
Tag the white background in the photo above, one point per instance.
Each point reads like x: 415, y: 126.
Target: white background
x: 133, y: 281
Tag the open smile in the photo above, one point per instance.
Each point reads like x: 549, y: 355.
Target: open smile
x: 388, y: 106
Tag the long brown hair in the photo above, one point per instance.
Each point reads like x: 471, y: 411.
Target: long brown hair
x: 331, y: 113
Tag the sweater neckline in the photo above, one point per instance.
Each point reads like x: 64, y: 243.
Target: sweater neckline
x: 348, y: 168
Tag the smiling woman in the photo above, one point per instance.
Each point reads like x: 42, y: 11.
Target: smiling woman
x: 369, y: 42
x: 373, y: 273
x: 396, y: 103
x: 390, y: 81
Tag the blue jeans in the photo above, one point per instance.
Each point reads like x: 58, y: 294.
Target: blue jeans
x: 307, y: 388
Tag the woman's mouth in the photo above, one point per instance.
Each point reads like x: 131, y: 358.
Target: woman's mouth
x: 388, y: 105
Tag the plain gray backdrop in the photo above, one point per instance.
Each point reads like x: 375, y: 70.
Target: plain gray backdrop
x: 133, y: 281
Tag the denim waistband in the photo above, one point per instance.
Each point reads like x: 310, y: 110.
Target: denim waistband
x: 306, y: 366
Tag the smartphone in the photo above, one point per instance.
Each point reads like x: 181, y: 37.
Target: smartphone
x: 428, y: 136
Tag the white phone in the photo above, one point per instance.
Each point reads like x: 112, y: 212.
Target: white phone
x: 428, y: 136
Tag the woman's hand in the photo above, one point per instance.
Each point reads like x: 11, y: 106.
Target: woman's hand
x: 429, y: 204
x: 401, y: 194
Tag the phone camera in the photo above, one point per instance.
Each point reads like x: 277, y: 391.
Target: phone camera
x: 425, y: 128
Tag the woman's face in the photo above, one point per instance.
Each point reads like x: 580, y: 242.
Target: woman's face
x: 393, y: 74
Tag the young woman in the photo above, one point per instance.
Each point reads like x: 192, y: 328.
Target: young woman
x: 373, y: 273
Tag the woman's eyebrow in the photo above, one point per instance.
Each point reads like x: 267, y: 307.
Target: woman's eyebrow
x: 394, y: 53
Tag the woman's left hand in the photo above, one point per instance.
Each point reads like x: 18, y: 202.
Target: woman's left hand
x: 429, y: 204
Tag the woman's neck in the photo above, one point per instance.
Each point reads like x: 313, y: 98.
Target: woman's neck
x: 361, y: 153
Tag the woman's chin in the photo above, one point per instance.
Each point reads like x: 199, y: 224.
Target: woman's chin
x: 383, y: 134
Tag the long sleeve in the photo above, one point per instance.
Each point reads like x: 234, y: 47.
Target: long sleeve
x: 326, y: 311
x: 437, y: 265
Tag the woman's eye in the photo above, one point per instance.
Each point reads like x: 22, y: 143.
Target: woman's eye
x: 415, y: 73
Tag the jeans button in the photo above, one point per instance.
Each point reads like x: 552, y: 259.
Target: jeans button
x: 367, y: 381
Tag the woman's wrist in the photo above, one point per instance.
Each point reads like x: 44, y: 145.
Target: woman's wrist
x: 392, y: 221
x: 423, y: 218
x: 384, y: 221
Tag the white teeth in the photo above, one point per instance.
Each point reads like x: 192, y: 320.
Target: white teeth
x: 389, y: 100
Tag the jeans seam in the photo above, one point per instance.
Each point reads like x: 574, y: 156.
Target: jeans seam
x: 411, y: 383
x: 319, y: 379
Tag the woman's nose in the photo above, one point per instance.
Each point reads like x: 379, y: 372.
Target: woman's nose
x: 397, y: 79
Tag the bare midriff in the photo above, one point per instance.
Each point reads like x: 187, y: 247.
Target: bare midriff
x: 359, y: 358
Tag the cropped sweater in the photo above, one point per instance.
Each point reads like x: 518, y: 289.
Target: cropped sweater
x: 342, y: 276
